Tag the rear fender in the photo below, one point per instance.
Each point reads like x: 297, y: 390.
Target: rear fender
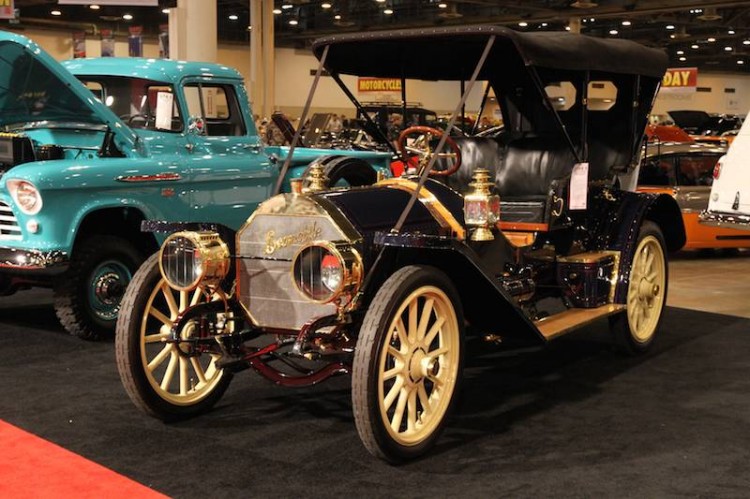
x: 619, y: 230
x: 487, y: 306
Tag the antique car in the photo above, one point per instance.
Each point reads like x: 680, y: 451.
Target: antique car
x: 685, y: 172
x: 729, y: 202
x: 91, y: 147
x: 514, y: 240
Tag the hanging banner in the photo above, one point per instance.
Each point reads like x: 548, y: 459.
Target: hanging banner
x: 7, y: 9
x: 135, y: 41
x: 135, y: 3
x: 379, y: 84
x: 108, y: 43
x: 680, y: 80
x: 79, y: 44
x: 164, y: 41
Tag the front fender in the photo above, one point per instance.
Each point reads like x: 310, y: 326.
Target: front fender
x: 487, y: 306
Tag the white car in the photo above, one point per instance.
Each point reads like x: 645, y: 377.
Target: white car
x: 729, y: 203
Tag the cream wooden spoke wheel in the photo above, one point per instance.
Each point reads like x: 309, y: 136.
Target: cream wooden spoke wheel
x: 166, y: 379
x: 407, y: 364
x: 647, y: 291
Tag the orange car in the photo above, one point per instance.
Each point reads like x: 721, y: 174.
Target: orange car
x: 685, y: 171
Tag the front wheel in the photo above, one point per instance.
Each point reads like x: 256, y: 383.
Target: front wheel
x: 407, y: 364
x: 167, y: 380
x: 647, y: 292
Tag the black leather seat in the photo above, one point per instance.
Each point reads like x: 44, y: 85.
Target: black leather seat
x: 528, y: 171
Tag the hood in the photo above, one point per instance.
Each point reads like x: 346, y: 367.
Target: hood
x: 34, y: 87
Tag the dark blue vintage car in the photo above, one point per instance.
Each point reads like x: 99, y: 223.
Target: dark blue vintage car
x: 515, y: 240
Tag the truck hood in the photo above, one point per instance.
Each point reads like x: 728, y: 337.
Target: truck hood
x: 34, y: 88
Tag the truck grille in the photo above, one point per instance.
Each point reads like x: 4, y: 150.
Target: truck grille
x: 9, y: 229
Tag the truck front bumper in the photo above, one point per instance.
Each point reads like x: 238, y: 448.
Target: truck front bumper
x: 53, y: 261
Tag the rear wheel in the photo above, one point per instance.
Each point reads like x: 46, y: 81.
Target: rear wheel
x: 407, y: 364
x: 87, y: 297
x: 166, y: 380
x: 647, y: 292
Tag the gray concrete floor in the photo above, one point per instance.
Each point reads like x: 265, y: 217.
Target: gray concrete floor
x: 709, y: 281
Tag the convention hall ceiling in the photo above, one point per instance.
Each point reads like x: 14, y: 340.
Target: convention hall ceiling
x: 712, y: 35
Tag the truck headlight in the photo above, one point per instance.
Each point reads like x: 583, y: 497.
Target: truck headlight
x: 323, y: 271
x: 189, y: 259
x: 26, y: 196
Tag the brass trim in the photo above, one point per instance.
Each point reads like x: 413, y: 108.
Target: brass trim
x: 437, y: 209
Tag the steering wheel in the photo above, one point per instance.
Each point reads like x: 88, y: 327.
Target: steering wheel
x: 423, y: 150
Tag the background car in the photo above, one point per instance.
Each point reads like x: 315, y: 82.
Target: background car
x: 685, y: 172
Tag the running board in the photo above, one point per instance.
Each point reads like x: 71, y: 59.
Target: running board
x: 574, y: 318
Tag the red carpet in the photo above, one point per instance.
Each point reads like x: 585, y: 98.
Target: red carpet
x: 33, y: 467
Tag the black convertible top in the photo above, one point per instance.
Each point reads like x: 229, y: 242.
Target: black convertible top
x: 451, y: 53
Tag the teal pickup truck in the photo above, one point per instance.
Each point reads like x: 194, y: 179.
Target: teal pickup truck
x: 90, y: 148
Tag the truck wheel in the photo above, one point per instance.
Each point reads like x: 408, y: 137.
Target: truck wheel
x: 163, y: 379
x: 87, y: 297
x: 407, y: 364
x: 636, y: 328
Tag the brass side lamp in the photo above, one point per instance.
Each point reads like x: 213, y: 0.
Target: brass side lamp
x: 481, y: 207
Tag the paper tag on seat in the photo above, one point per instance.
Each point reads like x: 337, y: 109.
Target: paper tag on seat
x: 579, y: 185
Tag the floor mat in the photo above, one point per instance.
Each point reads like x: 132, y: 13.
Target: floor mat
x: 33, y: 467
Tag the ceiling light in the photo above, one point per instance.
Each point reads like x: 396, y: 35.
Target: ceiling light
x: 669, y: 26
x: 380, y: 1
x: 442, y: 6
x: 128, y: 17
x: 680, y: 52
x: 233, y: 17
x: 728, y: 49
x: 337, y: 17
x: 287, y: 6
x: 740, y: 61
x: 730, y: 32
x: 56, y: 13
x: 165, y: 11
x: 683, y: 59
x: 694, y: 46
x: 388, y: 12
x: 613, y: 32
x: 592, y: 19
x: 712, y: 39
x: 626, y: 23
x: 746, y: 42
x: 523, y: 24
x: 567, y: 28
x: 583, y: 4
x: 293, y: 22
x: 277, y: 11
x: 94, y: 7
x: 544, y: 25
x: 711, y: 14
x: 325, y: 5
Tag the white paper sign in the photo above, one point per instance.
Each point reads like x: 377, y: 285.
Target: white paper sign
x: 579, y: 185
x: 164, y: 102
